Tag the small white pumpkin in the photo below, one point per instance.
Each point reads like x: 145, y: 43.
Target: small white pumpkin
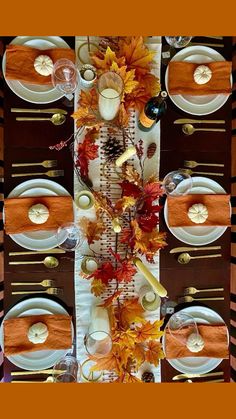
x: 43, y: 64
x: 198, y: 213
x: 38, y: 333
x: 38, y: 214
x: 202, y: 74
x: 195, y: 343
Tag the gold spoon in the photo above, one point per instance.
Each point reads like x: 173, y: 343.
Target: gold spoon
x: 49, y: 262
x: 185, y: 258
x: 56, y: 119
x: 189, y: 129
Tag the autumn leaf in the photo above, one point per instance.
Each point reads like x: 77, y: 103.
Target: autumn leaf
x: 150, y: 243
x: 88, y: 99
x: 154, y: 352
x: 153, y: 190
x: 108, y: 362
x: 97, y: 287
x: 148, y: 331
x: 102, y: 202
x: 131, y: 311
x: 110, y: 300
x: 147, y: 222
x: 125, y: 272
x: 123, y: 203
x: 92, y: 230
x: 105, y: 272
x: 138, y: 355
x: 107, y: 59
x: 128, y: 77
x: 150, y: 84
x: 137, y: 55
x: 124, y: 338
x: 130, y: 189
x: 131, y: 379
x: 131, y: 175
x: 84, y: 117
x: 122, y: 118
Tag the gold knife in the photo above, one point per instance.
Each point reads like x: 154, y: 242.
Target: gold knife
x: 210, y: 374
x: 40, y: 252
x: 50, y: 371
x: 205, y: 44
x: 193, y: 249
x: 50, y: 110
x: 199, y: 121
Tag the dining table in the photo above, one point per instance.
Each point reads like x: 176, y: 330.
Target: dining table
x: 30, y: 141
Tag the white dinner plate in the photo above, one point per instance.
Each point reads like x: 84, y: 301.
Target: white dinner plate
x: 198, y: 235
x: 31, y: 92
x: 197, y: 365
x: 197, y: 105
x: 42, y: 239
x: 37, y: 360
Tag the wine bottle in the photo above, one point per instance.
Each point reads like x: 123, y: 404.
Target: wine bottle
x: 152, y: 112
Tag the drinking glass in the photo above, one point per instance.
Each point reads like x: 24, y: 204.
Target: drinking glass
x: 65, y: 77
x: 177, y: 183
x: 67, y: 370
x: 69, y: 237
x: 180, y: 321
x: 178, y: 41
x: 110, y: 88
x: 98, y: 340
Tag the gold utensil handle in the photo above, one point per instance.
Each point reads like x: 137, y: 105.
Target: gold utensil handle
x: 209, y: 173
x: 40, y: 252
x: 199, y: 121
x: 26, y: 381
x: 209, y: 299
x: 50, y: 110
x: 211, y: 129
x: 29, y: 262
x: 217, y: 255
x: 49, y: 371
x: 28, y: 292
x: 28, y: 174
x: 26, y: 164
x: 214, y: 381
x: 210, y: 289
x: 211, y: 164
x: 206, y: 44
x: 193, y: 249
x: 25, y: 283
x: 214, y: 37
x: 29, y: 118
x: 209, y: 374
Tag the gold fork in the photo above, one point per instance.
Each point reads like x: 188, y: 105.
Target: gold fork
x: 50, y: 291
x: 48, y: 380
x: 45, y: 163
x: 49, y: 173
x: 191, y: 172
x: 192, y: 290
x: 189, y: 299
x: 44, y: 283
x: 191, y: 164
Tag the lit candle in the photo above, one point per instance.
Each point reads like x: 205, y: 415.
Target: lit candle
x: 128, y: 153
x: 109, y: 102
x: 157, y: 287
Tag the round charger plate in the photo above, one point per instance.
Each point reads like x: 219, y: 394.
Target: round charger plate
x: 29, y: 92
x: 37, y: 360
x: 197, y: 105
x: 197, y: 365
x: 199, y: 235
x: 42, y: 239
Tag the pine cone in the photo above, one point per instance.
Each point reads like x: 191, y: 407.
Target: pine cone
x: 148, y: 377
x: 113, y: 149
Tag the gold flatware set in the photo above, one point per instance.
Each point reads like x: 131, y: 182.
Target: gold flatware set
x: 49, y: 173
x: 50, y: 291
x: 193, y: 249
x: 191, y: 164
x: 185, y: 257
x: 49, y: 262
x: 56, y: 119
x: 45, y: 283
x: 189, y: 129
x: 190, y: 299
x: 192, y: 290
x: 192, y: 172
x: 48, y: 164
x: 190, y: 376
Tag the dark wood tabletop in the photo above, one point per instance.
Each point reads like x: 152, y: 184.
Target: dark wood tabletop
x: 29, y: 141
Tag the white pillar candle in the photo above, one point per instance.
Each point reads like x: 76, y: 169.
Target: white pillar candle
x: 109, y: 102
x: 99, y: 326
x: 88, y: 75
x: 91, y: 265
x: 84, y: 201
x: 150, y: 296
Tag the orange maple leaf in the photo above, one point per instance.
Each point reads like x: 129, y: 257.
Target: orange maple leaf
x: 123, y: 204
x: 97, y: 287
x: 92, y: 230
x: 89, y: 99
x: 127, y: 76
x: 84, y: 117
x: 108, y: 362
x: 124, y: 338
x: 110, y: 300
x: 150, y: 84
x: 136, y: 54
x: 107, y: 59
x: 149, y: 331
x: 138, y: 355
x: 122, y: 118
x: 126, y: 271
x: 154, y: 352
x: 131, y: 311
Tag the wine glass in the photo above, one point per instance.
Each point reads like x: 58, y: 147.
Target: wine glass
x: 65, y: 77
x: 67, y: 370
x: 177, y: 325
x: 69, y: 237
x: 178, y: 41
x: 177, y: 183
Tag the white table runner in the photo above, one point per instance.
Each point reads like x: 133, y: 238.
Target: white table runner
x: 83, y: 297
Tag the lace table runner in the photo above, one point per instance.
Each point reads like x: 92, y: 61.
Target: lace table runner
x: 103, y: 181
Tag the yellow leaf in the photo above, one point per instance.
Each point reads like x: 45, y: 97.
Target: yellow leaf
x: 107, y: 59
x: 92, y: 230
x: 127, y: 76
x: 122, y: 118
x: 131, y: 174
x: 154, y: 352
x: 151, y: 84
x: 88, y: 99
x: 138, y: 355
x: 97, y: 287
x: 149, y: 331
x: 137, y: 55
x: 123, y: 203
x: 125, y: 338
x: 131, y: 311
x: 84, y: 117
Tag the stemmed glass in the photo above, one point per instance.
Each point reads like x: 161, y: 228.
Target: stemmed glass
x: 178, y: 41
x: 180, y: 321
x: 177, y: 183
x: 65, y: 77
x: 67, y: 370
x: 69, y: 237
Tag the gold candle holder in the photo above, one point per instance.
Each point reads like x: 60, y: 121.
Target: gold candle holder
x: 89, y: 265
x: 84, y: 200
x: 87, y: 375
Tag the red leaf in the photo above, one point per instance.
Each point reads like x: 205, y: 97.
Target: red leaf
x: 125, y: 272
x: 148, y: 222
x: 86, y: 151
x: 110, y: 300
x: 105, y: 273
x: 153, y: 190
x: 130, y: 189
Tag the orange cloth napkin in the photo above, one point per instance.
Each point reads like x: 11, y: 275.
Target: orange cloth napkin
x: 181, y: 81
x: 16, y: 213
x: 20, y: 62
x: 16, y: 333
x: 217, y: 206
x: 214, y: 336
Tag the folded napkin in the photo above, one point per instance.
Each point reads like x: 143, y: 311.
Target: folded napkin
x: 181, y: 81
x: 16, y: 333
x: 16, y: 213
x: 217, y: 205
x: 214, y: 335
x: 20, y: 62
